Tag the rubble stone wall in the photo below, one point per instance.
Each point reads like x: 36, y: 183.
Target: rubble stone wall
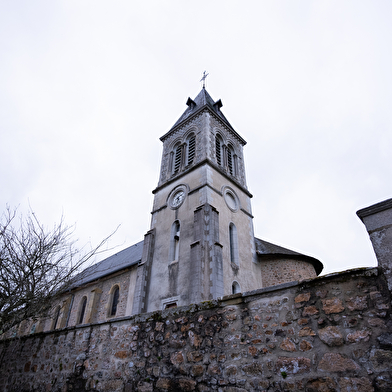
x: 280, y: 271
x: 332, y: 333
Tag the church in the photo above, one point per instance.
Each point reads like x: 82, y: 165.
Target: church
x: 201, y: 244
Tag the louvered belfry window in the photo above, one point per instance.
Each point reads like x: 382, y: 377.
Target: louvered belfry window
x: 177, y: 159
x: 191, y: 149
x: 218, y: 151
x: 230, y: 160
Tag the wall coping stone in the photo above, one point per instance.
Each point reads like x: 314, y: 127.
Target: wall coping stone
x: 373, y: 209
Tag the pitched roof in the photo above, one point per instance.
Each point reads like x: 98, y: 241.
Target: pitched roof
x: 267, y: 250
x: 202, y: 100
x: 123, y: 259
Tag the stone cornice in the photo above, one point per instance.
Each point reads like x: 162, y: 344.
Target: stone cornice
x: 378, y: 207
x: 201, y: 163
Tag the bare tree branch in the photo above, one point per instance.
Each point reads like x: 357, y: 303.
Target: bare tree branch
x: 36, y: 265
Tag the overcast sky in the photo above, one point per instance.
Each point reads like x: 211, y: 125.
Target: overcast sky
x: 88, y: 87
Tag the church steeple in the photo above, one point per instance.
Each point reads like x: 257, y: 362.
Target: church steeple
x: 201, y: 241
x: 201, y: 244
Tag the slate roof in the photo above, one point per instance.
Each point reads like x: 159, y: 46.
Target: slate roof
x: 133, y: 255
x: 202, y: 100
x: 267, y: 250
x: 121, y: 260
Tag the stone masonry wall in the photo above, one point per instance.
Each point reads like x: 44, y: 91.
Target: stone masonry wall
x: 332, y: 333
x: 280, y: 271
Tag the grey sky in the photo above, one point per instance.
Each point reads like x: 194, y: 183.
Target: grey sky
x: 87, y: 88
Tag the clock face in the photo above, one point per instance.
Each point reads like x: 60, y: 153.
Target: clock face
x: 178, y: 198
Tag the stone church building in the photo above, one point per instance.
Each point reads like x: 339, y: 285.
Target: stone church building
x: 200, y: 245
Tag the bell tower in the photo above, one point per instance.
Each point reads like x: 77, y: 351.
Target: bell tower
x: 201, y: 243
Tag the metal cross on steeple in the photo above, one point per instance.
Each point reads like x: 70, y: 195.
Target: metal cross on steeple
x: 203, y: 79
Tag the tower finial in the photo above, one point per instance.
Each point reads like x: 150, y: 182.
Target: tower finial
x: 203, y: 79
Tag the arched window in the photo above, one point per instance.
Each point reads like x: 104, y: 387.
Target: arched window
x: 177, y: 159
x: 174, y: 241
x: 115, y: 298
x: 82, y: 310
x: 191, y: 145
x: 230, y: 160
x: 56, y: 317
x: 218, y: 149
x: 233, y: 244
x: 235, y: 288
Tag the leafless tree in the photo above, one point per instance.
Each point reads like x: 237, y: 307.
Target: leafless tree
x: 36, y: 265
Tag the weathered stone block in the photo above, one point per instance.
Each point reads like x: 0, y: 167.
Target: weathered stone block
x: 253, y: 369
x: 357, y: 336
x: 230, y: 371
x: 306, y: 331
x: 177, y: 358
x: 383, y: 383
x: 163, y: 383
x: 187, y: 384
x: 142, y: 387
x: 27, y: 366
x: 376, y: 322
x: 381, y: 359
x: 357, y: 303
x: 252, y: 350
x: 287, y: 345
x: 176, y: 343
x: 121, y: 354
x: 322, y: 384
x: 333, y: 362
x: 214, y: 369
x: 305, y: 345
x: 355, y: 384
x: 195, y: 339
x: 302, y: 298
x: 293, y: 365
x: 117, y: 385
x: 194, y: 356
x: 303, y: 321
x: 385, y: 341
x: 310, y: 311
x: 331, y: 336
x: 333, y: 305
